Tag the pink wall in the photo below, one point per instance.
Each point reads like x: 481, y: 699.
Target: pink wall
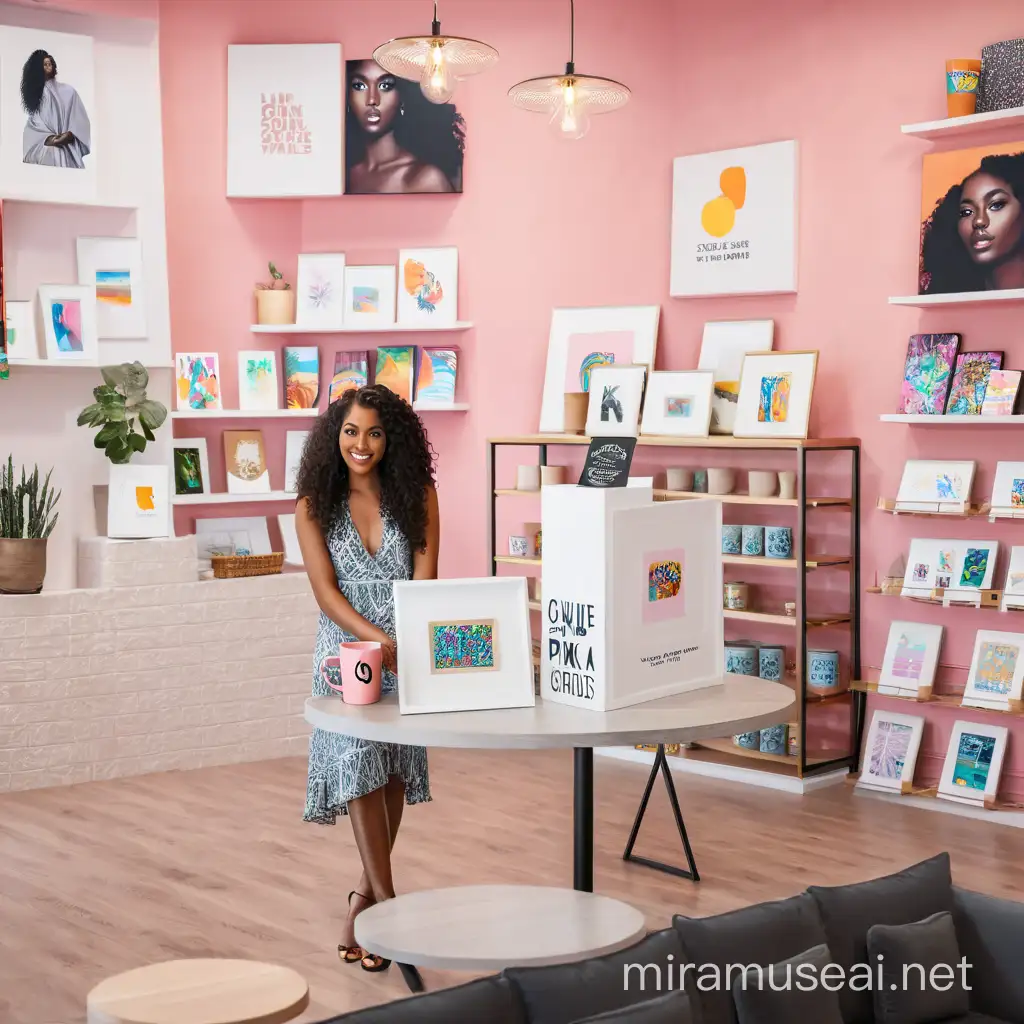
x: 544, y: 224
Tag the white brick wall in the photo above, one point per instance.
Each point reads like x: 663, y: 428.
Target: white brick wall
x: 98, y: 684
x: 103, y: 562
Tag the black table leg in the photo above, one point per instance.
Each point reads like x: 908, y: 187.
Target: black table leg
x: 412, y: 977
x: 583, y: 820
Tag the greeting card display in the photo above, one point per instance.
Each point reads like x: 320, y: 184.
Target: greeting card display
x: 911, y: 655
x: 1008, y: 490
x: 997, y: 671
x: 1013, y: 587
x: 961, y: 568
x: 890, y: 752
x: 935, y: 486
x: 974, y: 761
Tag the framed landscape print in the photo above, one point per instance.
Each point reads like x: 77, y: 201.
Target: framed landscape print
x: 113, y: 268
x: 890, y: 752
x: 284, y: 120
x: 997, y: 671
x: 616, y: 399
x: 928, y: 373
x: 428, y: 287
x: 775, y: 394
x: 722, y: 348
x: 370, y: 296
x: 973, y: 763
x: 69, y: 323
x: 197, y: 380
x: 463, y: 645
x: 320, y: 290
x: 678, y: 403
x: 246, y: 462
x: 911, y: 656
x: 191, y: 466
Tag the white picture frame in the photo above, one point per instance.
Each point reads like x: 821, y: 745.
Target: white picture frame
x: 71, y: 107
x: 197, y: 444
x: 113, y: 268
x: 245, y: 452
x: 262, y: 394
x: 320, y: 290
x: 73, y: 306
x: 911, y: 657
x: 938, y: 564
x: 723, y: 345
x: 231, y: 535
x: 677, y: 403
x: 1013, y: 585
x: 20, y: 326
x: 428, y: 287
x: 996, y: 676
x: 139, y: 501
x: 630, y: 333
x: 285, y: 120
x: 890, y: 752
x: 376, y: 285
x: 797, y: 370
x: 973, y: 763
x: 935, y: 485
x: 294, y: 443
x: 619, y: 416
x: 734, y: 222
x: 497, y: 603
x: 1008, y: 490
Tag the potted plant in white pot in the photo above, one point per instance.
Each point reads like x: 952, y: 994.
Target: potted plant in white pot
x: 275, y: 302
x: 27, y: 519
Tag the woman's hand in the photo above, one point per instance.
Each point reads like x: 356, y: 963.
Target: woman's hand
x: 388, y: 648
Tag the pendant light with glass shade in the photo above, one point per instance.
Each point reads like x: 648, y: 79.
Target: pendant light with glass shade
x: 571, y: 99
x: 437, y: 62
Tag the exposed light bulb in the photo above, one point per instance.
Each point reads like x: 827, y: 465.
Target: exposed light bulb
x: 437, y: 83
x: 569, y: 117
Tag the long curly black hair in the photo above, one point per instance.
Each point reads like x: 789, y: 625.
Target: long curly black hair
x: 946, y: 265
x: 33, y: 80
x: 406, y: 470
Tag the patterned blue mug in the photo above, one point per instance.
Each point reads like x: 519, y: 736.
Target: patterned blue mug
x: 741, y: 659
x: 778, y: 542
x: 748, y: 740
x: 823, y: 672
x: 753, y: 540
x: 771, y: 662
x: 773, y: 739
x: 732, y: 539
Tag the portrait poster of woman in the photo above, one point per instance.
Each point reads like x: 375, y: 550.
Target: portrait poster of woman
x: 972, y: 220
x: 396, y: 141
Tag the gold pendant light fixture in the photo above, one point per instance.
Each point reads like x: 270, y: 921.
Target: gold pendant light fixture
x: 571, y: 99
x: 437, y: 62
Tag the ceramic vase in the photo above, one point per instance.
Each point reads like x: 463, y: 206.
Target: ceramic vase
x: 732, y: 539
x: 823, y: 672
x: 771, y: 663
x: 753, y: 541
x: 678, y: 479
x: 761, y: 483
x: 740, y: 659
x: 773, y: 739
x: 528, y: 478
x: 778, y: 542
x: 748, y: 740
x: 721, y: 481
x: 576, y: 405
x: 787, y: 484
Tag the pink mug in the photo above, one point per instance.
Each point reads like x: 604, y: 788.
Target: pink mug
x: 357, y: 669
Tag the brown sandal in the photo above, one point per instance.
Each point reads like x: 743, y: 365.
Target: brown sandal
x: 354, y: 954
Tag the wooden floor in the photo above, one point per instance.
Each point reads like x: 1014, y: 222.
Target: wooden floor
x: 99, y: 878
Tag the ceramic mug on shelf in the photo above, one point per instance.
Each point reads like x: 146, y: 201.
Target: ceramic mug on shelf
x: 576, y: 404
x: 677, y: 479
x: 823, y: 672
x: 761, y: 483
x: 552, y: 475
x: 740, y: 659
x: 528, y: 478
x: 700, y: 481
x: 774, y: 739
x: 721, y: 481
x: 732, y: 539
x: 778, y: 542
x: 356, y: 672
x: 753, y: 541
x: 747, y: 740
x: 787, y: 484
x: 735, y: 596
x: 771, y: 662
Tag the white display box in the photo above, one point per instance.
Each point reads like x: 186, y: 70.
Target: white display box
x: 632, y: 596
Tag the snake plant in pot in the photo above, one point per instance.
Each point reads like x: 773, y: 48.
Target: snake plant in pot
x: 27, y: 519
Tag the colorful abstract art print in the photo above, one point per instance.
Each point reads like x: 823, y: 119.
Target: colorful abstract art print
x: 944, y: 563
x: 1017, y: 493
x: 301, y: 377
x: 889, y: 749
x: 679, y: 406
x: 909, y: 659
x: 351, y: 371
x: 975, y: 567
x: 138, y: 501
x: 775, y: 395
x: 467, y: 646
x: 921, y: 572
x: 773, y: 406
x: 246, y: 462
x: 428, y: 286
x: 911, y: 656
x: 112, y: 269
x: 66, y: 318
x: 974, y: 761
x: 589, y: 349
x: 395, y: 370
x: 678, y: 403
x: 114, y: 287
x: 320, y: 290
x: 997, y: 664
x: 198, y: 380
x: 928, y: 373
x: 970, y: 381
x: 188, y: 471
x: 365, y: 299
x: 1007, y: 497
x: 665, y: 590
x: 1001, y: 393
x: 258, y: 387
x: 370, y: 296
x: 997, y: 670
x: 435, y: 379
x: 723, y: 347
x: 935, y: 485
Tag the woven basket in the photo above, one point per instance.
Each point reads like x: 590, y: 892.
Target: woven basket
x: 231, y: 567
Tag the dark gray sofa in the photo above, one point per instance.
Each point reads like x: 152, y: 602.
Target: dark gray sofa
x: 868, y: 930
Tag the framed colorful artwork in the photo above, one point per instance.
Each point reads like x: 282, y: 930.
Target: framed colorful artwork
x: 890, y: 752
x: 428, y: 287
x: 284, y: 120
x: 258, y: 386
x: 191, y: 466
x: 69, y: 323
x: 112, y: 267
x: 722, y: 348
x: 960, y: 251
x: 775, y: 394
x: 20, y: 328
x: 582, y: 339
x: 301, y: 376
x: 294, y: 445
x: 935, y: 485
x: 973, y: 763
x: 997, y: 671
x: 197, y: 380
x: 911, y: 656
x: 734, y: 222
x: 1013, y: 588
x: 435, y: 378
x: 396, y: 368
x: 928, y: 373
x: 1001, y: 393
x: 962, y: 568
x: 1008, y: 489
x: 320, y: 290
x: 678, y: 403
x: 463, y: 645
x: 246, y: 462
x: 975, y: 567
x: 139, y: 501
x: 351, y: 371
x: 970, y: 382
x: 616, y: 400
x: 369, y: 296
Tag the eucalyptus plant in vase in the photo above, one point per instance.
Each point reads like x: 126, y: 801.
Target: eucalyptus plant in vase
x: 27, y: 519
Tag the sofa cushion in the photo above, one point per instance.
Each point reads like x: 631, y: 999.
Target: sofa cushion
x: 792, y: 990
x: 671, y: 1008
x: 848, y: 911
x: 716, y: 949
x: 975, y: 1018
x: 572, y: 992
x: 990, y: 932
x: 920, y: 977
x: 488, y: 999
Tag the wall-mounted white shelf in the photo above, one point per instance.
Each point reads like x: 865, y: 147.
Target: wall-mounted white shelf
x: 452, y: 407
x: 959, y: 298
x: 951, y: 127
x: 101, y: 203
x: 224, y: 498
x: 960, y: 421
x: 459, y: 325
x: 243, y: 414
x: 70, y: 364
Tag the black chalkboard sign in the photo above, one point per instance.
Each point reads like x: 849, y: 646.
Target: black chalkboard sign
x: 608, y: 461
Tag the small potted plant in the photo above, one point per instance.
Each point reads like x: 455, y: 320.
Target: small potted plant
x: 27, y: 519
x: 120, y: 404
x: 275, y: 302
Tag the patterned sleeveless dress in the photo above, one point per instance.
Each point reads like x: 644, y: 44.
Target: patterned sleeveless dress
x: 342, y: 768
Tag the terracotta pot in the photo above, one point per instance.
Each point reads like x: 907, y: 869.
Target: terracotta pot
x: 275, y: 307
x: 576, y: 412
x: 962, y: 77
x: 22, y: 565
